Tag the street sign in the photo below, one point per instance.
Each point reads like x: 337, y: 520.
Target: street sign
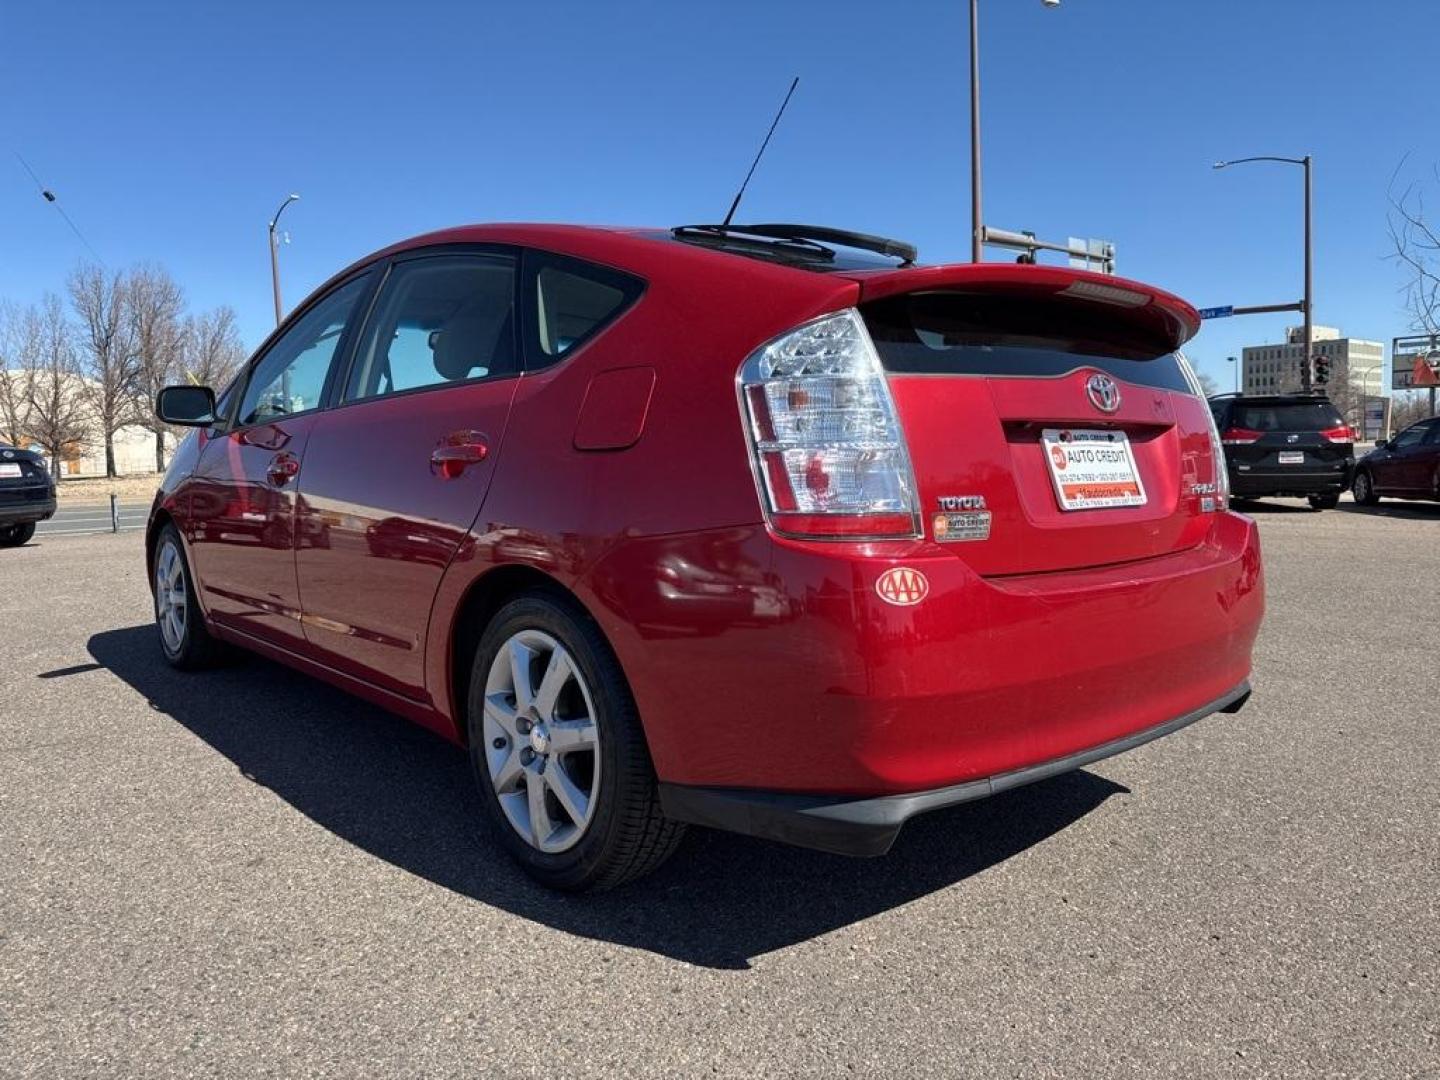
x: 1217, y: 312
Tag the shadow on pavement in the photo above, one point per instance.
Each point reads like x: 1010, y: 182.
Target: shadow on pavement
x: 1415, y: 511
x: 406, y: 796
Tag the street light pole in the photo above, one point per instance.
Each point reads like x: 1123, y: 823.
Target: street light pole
x: 1232, y: 360
x: 275, y: 254
x: 977, y: 227
x: 1306, y: 365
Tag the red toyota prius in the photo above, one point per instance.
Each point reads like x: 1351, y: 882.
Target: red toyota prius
x: 765, y: 528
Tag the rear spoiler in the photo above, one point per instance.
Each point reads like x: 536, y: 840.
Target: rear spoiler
x: 1153, y: 313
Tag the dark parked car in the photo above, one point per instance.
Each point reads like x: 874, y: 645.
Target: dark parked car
x: 27, y: 494
x: 1405, y: 467
x: 719, y: 525
x: 1285, y: 444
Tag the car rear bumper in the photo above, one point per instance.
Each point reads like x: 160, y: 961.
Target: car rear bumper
x: 776, y: 666
x: 850, y: 826
x: 1297, y: 482
x: 18, y: 513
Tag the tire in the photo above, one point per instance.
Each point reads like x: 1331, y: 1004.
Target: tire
x: 184, y: 640
x: 1324, y: 502
x: 16, y: 535
x: 517, y: 725
x: 1363, y: 489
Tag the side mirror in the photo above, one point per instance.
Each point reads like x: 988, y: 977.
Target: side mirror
x: 1382, y: 444
x: 186, y: 406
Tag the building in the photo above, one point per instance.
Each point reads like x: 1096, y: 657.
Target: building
x: 1357, y: 367
x: 134, y: 444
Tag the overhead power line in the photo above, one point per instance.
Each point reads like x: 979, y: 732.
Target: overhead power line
x: 49, y: 196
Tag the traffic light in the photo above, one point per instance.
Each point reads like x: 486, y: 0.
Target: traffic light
x: 1322, y: 370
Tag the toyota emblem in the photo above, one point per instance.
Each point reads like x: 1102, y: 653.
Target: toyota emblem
x: 1104, y: 392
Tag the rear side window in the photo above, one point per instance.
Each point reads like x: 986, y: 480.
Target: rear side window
x: 1286, y: 416
x: 976, y: 334
x: 571, y: 301
x: 439, y: 319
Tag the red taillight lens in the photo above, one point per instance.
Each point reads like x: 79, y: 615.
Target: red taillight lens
x: 826, y: 439
x: 1238, y: 436
x: 1340, y: 434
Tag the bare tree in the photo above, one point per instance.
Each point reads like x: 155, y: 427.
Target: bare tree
x: 14, y: 383
x: 213, y: 351
x: 155, y: 304
x: 1415, y: 246
x: 109, y: 359
x: 59, y: 422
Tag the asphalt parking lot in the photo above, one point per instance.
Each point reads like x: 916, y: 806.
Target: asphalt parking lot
x: 248, y: 873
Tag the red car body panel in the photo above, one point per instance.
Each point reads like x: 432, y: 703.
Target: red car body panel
x: 622, y: 474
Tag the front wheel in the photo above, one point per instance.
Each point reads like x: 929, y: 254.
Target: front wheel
x: 1324, y: 502
x: 184, y: 640
x: 16, y: 535
x: 558, y: 752
x: 1363, y: 488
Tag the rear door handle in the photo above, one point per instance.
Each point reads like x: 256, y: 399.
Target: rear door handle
x: 456, y: 451
x: 283, y: 468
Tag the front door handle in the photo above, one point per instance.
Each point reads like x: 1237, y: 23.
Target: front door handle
x: 282, y: 469
x: 458, y: 450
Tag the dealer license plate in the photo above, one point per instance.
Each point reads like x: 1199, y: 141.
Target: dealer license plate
x: 1092, y: 470
x: 1292, y: 457
x: 9, y: 471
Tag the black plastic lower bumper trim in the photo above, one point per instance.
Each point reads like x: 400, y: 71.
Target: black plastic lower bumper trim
x: 868, y: 826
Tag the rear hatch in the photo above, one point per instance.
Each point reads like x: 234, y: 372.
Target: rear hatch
x: 1286, y: 435
x: 1054, y: 399
x: 23, y: 479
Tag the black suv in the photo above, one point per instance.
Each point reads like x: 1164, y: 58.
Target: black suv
x: 27, y: 494
x: 1285, y: 444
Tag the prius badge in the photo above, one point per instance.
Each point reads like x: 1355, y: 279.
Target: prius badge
x: 1104, y: 392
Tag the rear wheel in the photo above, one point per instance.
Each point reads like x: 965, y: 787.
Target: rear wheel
x: 558, y: 752
x: 1363, y: 488
x: 15, y: 535
x: 184, y: 640
x: 1324, y: 502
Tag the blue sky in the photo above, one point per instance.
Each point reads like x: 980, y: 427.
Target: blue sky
x: 171, y: 131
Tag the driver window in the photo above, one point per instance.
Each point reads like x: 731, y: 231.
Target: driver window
x: 1409, y: 437
x: 290, y: 377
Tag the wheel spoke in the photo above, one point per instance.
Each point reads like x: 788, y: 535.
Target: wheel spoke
x: 567, y: 736
x: 502, y: 713
x: 540, y: 824
x: 520, y: 656
x: 507, y: 777
x: 575, y: 802
x: 557, y: 674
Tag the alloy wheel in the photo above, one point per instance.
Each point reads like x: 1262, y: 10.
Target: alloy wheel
x: 1361, y: 487
x: 170, y: 597
x: 541, y: 741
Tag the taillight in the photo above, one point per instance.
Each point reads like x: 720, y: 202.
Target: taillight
x: 1343, y: 433
x: 1218, y: 467
x: 826, y: 440
x: 1239, y: 436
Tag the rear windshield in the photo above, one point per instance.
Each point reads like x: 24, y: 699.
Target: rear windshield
x: 941, y: 333
x: 1286, y: 416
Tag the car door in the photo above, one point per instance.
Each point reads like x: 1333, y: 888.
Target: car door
x: 1397, y: 471
x: 241, y: 524
x: 395, y: 474
x: 1427, y: 463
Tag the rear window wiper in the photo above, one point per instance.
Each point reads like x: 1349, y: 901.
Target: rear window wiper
x: 737, y: 236
x: 880, y: 245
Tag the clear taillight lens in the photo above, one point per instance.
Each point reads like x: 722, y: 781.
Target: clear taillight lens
x: 1217, y: 450
x: 826, y: 440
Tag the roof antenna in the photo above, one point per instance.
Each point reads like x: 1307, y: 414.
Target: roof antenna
x: 741, y: 193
